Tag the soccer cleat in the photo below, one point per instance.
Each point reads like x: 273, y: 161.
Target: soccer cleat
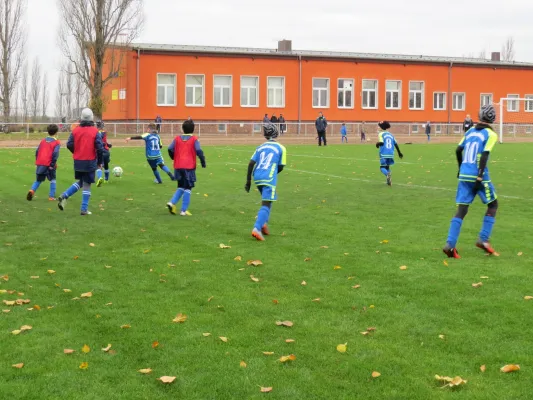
x: 29, y: 197
x: 51, y: 199
x: 486, y: 247
x: 86, y: 212
x: 258, y: 235
x: 99, y: 182
x: 185, y: 214
x: 62, y: 202
x: 389, y: 179
x: 157, y: 182
x: 265, y: 230
x: 171, y: 208
x: 451, y: 252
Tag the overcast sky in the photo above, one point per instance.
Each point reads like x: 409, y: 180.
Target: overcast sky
x: 429, y: 27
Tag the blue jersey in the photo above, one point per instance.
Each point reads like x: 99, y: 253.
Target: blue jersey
x: 267, y: 157
x: 387, y: 150
x: 474, y: 143
x: 153, y: 145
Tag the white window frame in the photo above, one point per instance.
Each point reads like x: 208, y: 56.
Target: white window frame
x: 363, y: 91
x: 282, y: 92
x: 443, y: 102
x: 352, y: 90
x: 215, y: 86
x: 423, y: 96
x: 195, y: 86
x: 529, y: 100
x: 399, y: 91
x: 438, y: 128
x: 512, y: 98
x: 490, y: 95
x: 414, y: 128
x: 164, y: 84
x: 328, y: 88
x: 248, y: 91
x: 454, y: 108
x: 224, y: 130
x: 456, y: 129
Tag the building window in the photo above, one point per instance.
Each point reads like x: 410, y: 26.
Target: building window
x: 486, y: 98
x: 166, y: 89
x: 456, y: 129
x: 529, y: 129
x: 222, y: 127
x: 320, y: 93
x: 414, y: 128
x: 393, y: 95
x: 438, y: 128
x: 528, y: 106
x: 512, y: 129
x: 416, y: 95
x: 257, y: 128
x: 370, y: 93
x: 439, y: 101
x: 345, y: 93
x: 276, y: 92
x: 512, y: 105
x: 194, y: 90
x: 458, y: 102
x: 222, y: 91
x: 249, y: 91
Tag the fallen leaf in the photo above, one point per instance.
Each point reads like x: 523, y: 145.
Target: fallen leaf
x: 356, y: 287
x: 341, y: 348
x: 238, y: 258
x: 290, y: 340
x: 86, y: 295
x: 76, y: 257
x: 445, y: 263
x: 206, y: 334
x: 528, y: 297
x: 68, y: 351
x: 510, y: 368
x: 16, y: 332
x: 9, y: 303
x: 108, y: 304
x: 284, y: 359
x: 196, y: 261
x: 242, y: 364
x: 337, y: 267
x: 223, y: 246
x: 376, y: 374
x: 127, y: 326
x: 167, y: 379
x: 384, y: 242
x: 307, y: 259
x: 304, y: 283
x: 37, y: 307
x: 365, y: 333
x: 288, y: 324
x: 484, y: 277
x: 403, y: 267
x: 275, y: 301
x: 76, y: 298
x: 85, y: 349
x: 34, y: 277
x: 519, y: 254
x: 255, y: 263
x: 145, y: 371
x: 211, y: 298
x: 268, y: 353
x: 180, y: 318
x: 84, y: 365
x: 155, y: 345
x: 253, y: 278
x: 483, y: 368
x: 108, y: 266
x: 19, y: 366
x: 266, y: 389
x: 106, y: 349
x: 51, y: 271
x: 223, y: 338
x: 26, y: 328
x: 476, y: 285
x: 451, y: 382
x: 324, y: 247
x: 317, y: 300
x: 6, y: 311
x: 442, y: 337
x: 91, y: 244
x: 67, y: 290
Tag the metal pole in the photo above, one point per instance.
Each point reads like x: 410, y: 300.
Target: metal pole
x: 501, y: 120
x: 138, y: 85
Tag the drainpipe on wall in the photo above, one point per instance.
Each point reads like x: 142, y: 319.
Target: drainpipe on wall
x: 137, y: 90
x: 299, y: 94
x: 449, y: 99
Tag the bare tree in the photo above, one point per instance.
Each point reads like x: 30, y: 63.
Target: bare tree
x: 44, y: 97
x: 69, y: 89
x: 93, y: 33
x: 35, y: 90
x: 12, y: 43
x: 80, y: 95
x: 24, y: 93
x: 59, y: 97
x: 483, y: 54
x: 508, y: 52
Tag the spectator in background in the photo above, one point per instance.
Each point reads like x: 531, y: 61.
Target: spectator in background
x: 343, y: 133
x: 428, y: 130
x: 321, y: 124
x: 363, y: 134
x: 282, y: 124
x: 274, y: 119
x: 158, y: 122
x: 266, y: 119
x: 468, y: 123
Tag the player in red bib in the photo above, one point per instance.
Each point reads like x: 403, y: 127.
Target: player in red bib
x: 46, y: 157
x: 183, y: 150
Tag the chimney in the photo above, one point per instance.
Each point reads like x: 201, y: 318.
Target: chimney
x: 495, y: 56
x: 285, y: 45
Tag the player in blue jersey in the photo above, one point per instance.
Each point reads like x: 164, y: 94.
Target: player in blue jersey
x: 106, y: 155
x: 153, y: 152
x: 472, y: 156
x: 267, y: 162
x: 386, y: 145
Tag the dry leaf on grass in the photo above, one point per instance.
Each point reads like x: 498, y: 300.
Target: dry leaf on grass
x: 442, y: 337
x: 84, y: 365
x: 376, y: 374
x: 126, y: 326
x: 68, y: 351
x: 288, y: 324
x: 167, y: 379
x: 155, y: 345
x: 18, y: 366
x: 275, y: 301
x: 253, y: 278
x: 51, y: 271
x: 510, y: 368
x: 85, y: 349
x: 238, y: 258
x: 528, y: 297
x: 337, y: 267
x: 304, y: 283
x: 341, y: 348
x: 86, y: 295
x: 484, y: 277
x: 67, y: 290
x: 483, y: 368
x: 108, y: 304
x: 476, y: 285
x: 211, y: 298
x: 16, y: 332
x: 242, y: 364
x: 290, y: 340
x: 34, y: 277
x: 268, y: 353
x: 403, y: 267
x: 106, y: 349
x: 255, y: 263
x: 36, y: 307
x: 451, y: 382
x: 223, y: 338
x: 26, y: 328
x: 92, y: 244
x: 265, y: 389
x: 384, y: 241
x: 519, y: 254
x: 223, y: 246
x: 445, y: 263
x: 6, y: 311
x: 317, y: 300
x: 180, y: 318
x: 284, y: 359
x: 356, y: 287
x: 145, y: 371
x: 365, y: 333
x: 307, y: 259
x: 206, y: 334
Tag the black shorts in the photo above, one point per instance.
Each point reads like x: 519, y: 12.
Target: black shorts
x: 185, y: 177
x: 106, y: 157
x: 51, y: 176
x: 84, y: 176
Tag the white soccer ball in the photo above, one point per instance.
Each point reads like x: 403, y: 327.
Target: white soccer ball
x: 117, y: 171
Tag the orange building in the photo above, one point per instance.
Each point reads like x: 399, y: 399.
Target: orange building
x: 239, y: 84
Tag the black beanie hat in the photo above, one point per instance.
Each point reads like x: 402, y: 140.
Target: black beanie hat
x: 384, y: 125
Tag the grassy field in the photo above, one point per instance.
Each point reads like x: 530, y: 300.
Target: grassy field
x: 336, y: 226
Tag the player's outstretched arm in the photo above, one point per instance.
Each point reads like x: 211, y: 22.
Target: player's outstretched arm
x: 379, y: 144
x: 398, y: 150
x: 171, y: 150
x: 200, y: 153
x: 134, y: 138
x: 55, y: 156
x: 70, y: 143
x: 459, y: 155
x: 251, y: 166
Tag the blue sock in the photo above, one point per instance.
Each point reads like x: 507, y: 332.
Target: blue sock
x: 262, y: 217
x: 99, y: 173
x: 165, y: 168
x: 186, y: 200
x: 486, y: 229
x: 85, y: 200
x: 106, y: 174
x: 71, y: 190
x: 455, y: 230
x: 177, y: 196
x: 384, y: 171
x: 157, y: 176
x: 35, y: 185
x: 52, y: 189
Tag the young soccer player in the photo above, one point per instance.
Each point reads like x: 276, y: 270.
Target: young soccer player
x: 106, y: 155
x: 153, y: 152
x: 86, y: 147
x: 343, y: 133
x: 46, y: 157
x: 183, y: 150
x: 386, y: 145
x: 474, y: 180
x: 267, y: 162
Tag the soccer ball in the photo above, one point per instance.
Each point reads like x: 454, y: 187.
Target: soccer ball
x: 117, y: 171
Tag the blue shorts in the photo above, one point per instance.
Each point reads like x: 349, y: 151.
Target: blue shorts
x: 466, y: 193
x: 386, y: 162
x: 156, y: 162
x: 268, y: 193
x: 50, y: 175
x: 185, y: 177
x: 84, y: 176
x: 106, y: 157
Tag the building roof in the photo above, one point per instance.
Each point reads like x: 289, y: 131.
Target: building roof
x: 171, y: 48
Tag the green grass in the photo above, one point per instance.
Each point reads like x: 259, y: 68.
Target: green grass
x: 333, y: 197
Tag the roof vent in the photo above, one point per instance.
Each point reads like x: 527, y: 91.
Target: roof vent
x: 495, y: 56
x: 285, y: 45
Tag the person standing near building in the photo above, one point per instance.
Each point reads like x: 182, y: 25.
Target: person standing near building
x: 321, y: 125
x: 468, y: 123
x: 343, y: 133
x: 282, y: 125
x: 266, y: 120
x: 428, y: 131
x: 158, y: 122
x: 363, y: 134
